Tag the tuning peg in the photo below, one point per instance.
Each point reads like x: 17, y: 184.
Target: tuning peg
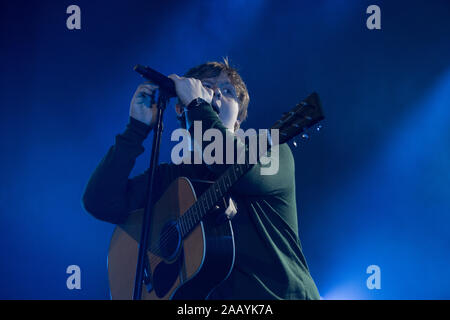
x: 295, y: 143
x: 305, y: 136
x: 319, y: 126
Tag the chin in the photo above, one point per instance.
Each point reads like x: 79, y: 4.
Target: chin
x: 228, y: 126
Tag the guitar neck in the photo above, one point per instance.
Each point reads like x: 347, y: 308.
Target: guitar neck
x: 304, y: 115
x: 206, y: 202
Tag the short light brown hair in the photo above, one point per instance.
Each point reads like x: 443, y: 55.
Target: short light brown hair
x: 213, y: 69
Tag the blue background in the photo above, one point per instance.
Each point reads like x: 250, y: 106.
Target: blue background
x: 373, y: 186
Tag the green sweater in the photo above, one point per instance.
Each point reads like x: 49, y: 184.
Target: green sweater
x: 269, y: 262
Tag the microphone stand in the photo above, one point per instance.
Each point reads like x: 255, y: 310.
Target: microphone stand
x: 163, y: 98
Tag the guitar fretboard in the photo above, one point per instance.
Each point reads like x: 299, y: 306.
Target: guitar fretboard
x: 304, y: 115
x: 206, y: 202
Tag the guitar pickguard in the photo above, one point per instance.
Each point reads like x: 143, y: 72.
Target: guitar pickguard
x: 165, y: 275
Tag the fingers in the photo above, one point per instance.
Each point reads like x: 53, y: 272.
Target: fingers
x: 178, y: 79
x: 174, y: 77
x: 183, y: 81
x: 209, y: 90
x: 146, y: 90
x: 189, y: 89
x: 148, y: 85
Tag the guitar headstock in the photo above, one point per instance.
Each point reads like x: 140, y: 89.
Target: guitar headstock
x: 303, y: 116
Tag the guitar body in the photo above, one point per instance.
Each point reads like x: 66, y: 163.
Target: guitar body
x: 188, y: 268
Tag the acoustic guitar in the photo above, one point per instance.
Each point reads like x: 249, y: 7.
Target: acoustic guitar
x: 191, y: 245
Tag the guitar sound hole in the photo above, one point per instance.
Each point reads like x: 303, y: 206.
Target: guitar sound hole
x: 170, y: 241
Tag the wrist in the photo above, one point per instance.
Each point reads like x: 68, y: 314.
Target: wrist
x: 197, y: 102
x: 136, y: 130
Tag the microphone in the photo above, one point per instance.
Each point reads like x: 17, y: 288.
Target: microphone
x: 165, y: 84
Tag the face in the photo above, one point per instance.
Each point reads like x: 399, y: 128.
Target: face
x: 224, y: 100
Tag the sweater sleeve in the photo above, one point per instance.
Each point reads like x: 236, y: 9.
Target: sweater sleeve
x: 109, y: 194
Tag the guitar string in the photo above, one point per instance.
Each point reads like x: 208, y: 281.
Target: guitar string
x: 164, y: 238
x: 167, y: 234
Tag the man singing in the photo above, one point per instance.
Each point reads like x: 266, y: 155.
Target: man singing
x: 269, y: 262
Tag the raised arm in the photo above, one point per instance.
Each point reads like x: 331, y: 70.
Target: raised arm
x: 109, y: 194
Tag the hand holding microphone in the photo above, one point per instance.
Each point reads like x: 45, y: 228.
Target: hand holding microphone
x: 187, y: 89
